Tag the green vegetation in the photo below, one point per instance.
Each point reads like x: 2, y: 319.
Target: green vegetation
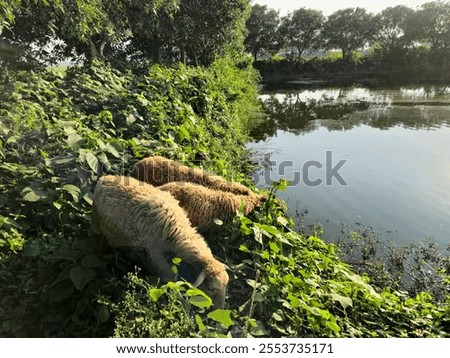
x: 398, y: 43
x: 350, y: 29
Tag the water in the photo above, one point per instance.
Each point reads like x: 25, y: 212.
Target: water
x: 396, y: 148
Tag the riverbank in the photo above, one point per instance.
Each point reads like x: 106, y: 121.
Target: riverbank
x: 317, y: 73
x: 61, y: 131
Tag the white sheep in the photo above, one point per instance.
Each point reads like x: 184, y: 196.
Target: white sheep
x: 136, y: 214
x: 158, y: 170
x: 203, y: 205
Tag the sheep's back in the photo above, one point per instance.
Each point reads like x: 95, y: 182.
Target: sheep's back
x: 133, y: 213
x: 158, y: 170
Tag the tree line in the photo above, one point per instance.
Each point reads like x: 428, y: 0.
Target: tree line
x: 43, y: 32
x: 34, y: 32
x: 307, y: 30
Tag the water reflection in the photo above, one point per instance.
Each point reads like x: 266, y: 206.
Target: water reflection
x: 300, y: 112
x: 397, y: 151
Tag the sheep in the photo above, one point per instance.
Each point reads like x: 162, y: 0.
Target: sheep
x: 158, y: 170
x: 132, y: 213
x: 203, y: 205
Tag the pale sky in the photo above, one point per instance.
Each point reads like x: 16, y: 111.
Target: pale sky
x: 330, y: 6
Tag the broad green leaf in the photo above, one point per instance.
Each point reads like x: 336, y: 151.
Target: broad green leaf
x: 199, y: 322
x: 57, y: 205
x: 74, y: 139
x: 294, y: 301
x: 244, y: 248
x: 333, y: 326
x: 283, y: 221
x: 358, y: 280
x: 32, y: 194
x: 183, y: 133
x: 277, y: 317
x: 274, y: 247
x: 9, y: 223
x: 312, y: 282
x: 282, y: 184
x: 199, y: 298
x: 155, y: 294
x: 110, y: 148
x: 201, y: 301
x: 272, y: 230
x: 92, y: 161
x: 257, y: 234
x: 258, y: 329
x: 73, y: 190
x: 81, y: 276
x: 343, y: 300
x: 88, y: 198
x: 221, y: 316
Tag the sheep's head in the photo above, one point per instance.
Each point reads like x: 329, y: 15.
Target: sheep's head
x: 214, y: 284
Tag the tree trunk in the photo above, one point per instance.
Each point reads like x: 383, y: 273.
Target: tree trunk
x: 92, y: 52
x: 101, y: 48
x: 156, y: 50
x: 95, y: 52
x: 156, y: 54
x: 182, y: 55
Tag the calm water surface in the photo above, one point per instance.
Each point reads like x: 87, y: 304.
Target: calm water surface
x: 396, y: 144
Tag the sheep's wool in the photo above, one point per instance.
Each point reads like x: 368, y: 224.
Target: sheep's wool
x: 132, y: 213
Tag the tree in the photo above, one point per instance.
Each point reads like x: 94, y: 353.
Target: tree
x: 302, y: 29
x: 87, y: 27
x: 122, y: 29
x: 262, y: 28
x: 25, y: 27
x: 349, y: 30
x: 208, y: 28
x: 431, y: 24
x: 152, y: 26
x: 67, y: 27
x: 392, y: 23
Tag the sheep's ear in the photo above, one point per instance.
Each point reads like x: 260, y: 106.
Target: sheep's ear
x: 201, y: 277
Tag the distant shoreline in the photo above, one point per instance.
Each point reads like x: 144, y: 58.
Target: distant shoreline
x: 279, y: 76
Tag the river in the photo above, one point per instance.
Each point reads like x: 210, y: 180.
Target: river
x: 377, y: 158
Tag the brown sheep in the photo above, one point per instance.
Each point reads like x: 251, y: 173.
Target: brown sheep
x: 136, y: 214
x: 203, y: 205
x: 159, y: 170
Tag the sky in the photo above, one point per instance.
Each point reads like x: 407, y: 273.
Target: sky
x: 330, y: 6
